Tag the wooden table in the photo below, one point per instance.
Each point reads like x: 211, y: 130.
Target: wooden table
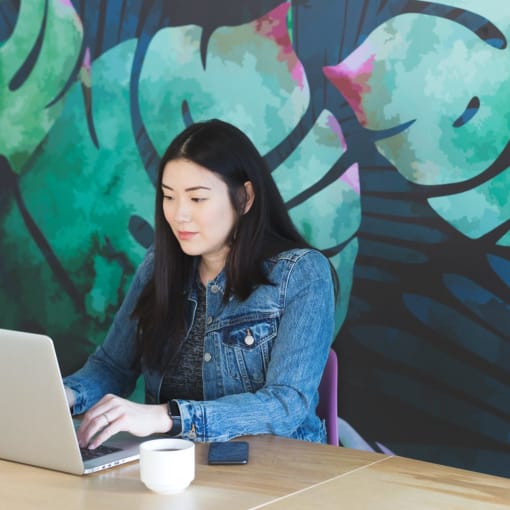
x: 398, y: 483
x: 281, y: 474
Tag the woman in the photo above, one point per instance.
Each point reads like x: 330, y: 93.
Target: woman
x: 229, y: 317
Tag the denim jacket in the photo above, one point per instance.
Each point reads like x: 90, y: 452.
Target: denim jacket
x: 263, y: 357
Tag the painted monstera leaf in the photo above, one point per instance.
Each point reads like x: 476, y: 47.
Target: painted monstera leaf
x: 85, y: 194
x: 431, y: 300
x: 253, y: 79
x: 457, y: 143
x: 36, y: 63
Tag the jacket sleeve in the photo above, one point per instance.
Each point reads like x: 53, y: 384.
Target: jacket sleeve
x: 113, y: 367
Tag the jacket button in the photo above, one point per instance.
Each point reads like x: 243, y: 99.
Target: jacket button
x: 209, y: 319
x: 207, y: 357
x: 249, y: 340
x: 215, y: 289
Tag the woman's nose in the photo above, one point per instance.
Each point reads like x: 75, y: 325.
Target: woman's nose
x: 182, y: 212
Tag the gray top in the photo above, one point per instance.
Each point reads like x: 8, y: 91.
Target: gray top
x: 183, y: 378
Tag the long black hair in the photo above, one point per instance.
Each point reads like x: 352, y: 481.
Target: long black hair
x: 265, y: 230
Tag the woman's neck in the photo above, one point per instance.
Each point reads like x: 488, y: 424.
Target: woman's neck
x: 210, y: 268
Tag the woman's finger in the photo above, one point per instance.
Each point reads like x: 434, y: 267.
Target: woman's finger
x: 97, y: 418
x: 104, y: 434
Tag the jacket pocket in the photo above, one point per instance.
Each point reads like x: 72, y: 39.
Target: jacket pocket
x: 247, y: 350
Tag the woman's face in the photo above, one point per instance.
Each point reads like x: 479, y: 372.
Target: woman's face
x: 197, y: 206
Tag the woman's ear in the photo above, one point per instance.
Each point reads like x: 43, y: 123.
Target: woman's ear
x: 250, y: 196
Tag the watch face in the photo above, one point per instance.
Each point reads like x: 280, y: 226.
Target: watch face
x: 173, y: 408
x: 173, y: 412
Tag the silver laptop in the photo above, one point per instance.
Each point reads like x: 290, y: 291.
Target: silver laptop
x: 36, y: 426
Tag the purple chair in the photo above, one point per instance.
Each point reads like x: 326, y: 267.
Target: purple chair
x: 327, y: 408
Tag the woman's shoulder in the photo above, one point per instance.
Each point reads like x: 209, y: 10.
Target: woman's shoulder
x: 294, y: 254
x: 146, y: 266
x: 148, y: 258
x: 308, y: 259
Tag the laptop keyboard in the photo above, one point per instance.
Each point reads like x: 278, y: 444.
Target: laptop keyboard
x: 98, y: 452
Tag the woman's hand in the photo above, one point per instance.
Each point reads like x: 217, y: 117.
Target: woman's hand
x: 113, y: 414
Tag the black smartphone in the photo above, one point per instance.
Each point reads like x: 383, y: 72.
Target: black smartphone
x: 230, y: 452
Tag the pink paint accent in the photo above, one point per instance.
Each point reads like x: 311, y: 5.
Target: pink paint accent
x: 67, y: 3
x: 351, y: 77
x: 86, y: 60
x: 351, y: 177
x: 273, y: 25
x: 333, y: 124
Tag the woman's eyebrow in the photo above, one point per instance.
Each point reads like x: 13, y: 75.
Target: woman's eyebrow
x: 192, y: 188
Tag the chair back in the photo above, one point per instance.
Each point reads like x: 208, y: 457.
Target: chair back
x: 327, y: 408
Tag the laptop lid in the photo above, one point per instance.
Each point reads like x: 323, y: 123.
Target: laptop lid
x: 37, y: 427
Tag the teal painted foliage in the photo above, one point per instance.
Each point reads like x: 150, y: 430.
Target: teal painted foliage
x: 386, y: 124
x: 459, y: 112
x: 82, y: 180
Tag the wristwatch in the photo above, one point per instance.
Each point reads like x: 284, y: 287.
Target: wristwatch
x: 175, y: 416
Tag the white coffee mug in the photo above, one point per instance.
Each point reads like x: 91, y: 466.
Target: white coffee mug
x: 167, y: 466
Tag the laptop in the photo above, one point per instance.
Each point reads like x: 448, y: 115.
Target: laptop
x: 37, y: 427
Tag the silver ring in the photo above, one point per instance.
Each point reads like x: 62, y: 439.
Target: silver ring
x: 106, y: 418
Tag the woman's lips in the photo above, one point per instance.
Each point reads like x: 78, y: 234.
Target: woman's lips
x: 185, y: 236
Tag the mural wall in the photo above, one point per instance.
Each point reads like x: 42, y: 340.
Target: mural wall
x: 386, y: 125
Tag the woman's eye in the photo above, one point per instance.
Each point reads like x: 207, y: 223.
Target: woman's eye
x: 167, y: 197
x: 198, y: 199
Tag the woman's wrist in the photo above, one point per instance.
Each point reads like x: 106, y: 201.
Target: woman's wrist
x: 166, y: 420
x: 71, y: 396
